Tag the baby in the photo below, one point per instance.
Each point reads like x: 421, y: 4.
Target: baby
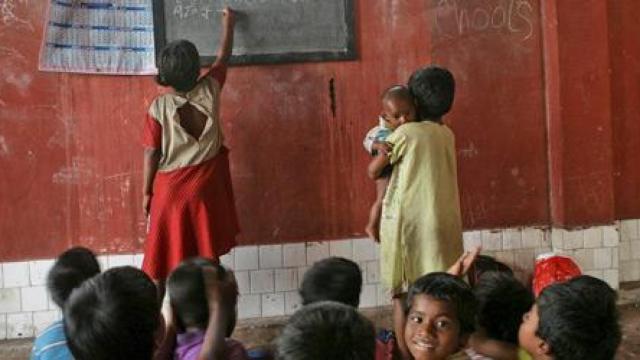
x: 398, y: 108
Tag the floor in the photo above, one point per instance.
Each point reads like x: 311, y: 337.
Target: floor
x: 630, y: 318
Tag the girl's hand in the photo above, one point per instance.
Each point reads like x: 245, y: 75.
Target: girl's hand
x: 146, y: 204
x: 228, y: 17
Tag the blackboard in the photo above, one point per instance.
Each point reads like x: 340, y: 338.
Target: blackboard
x: 267, y: 31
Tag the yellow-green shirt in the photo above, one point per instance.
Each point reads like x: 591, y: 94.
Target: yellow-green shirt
x: 523, y: 355
x: 420, y: 228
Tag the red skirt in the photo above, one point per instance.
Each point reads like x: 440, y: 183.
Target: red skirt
x: 192, y: 214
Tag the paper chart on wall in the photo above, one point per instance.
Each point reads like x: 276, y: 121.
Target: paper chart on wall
x: 99, y: 36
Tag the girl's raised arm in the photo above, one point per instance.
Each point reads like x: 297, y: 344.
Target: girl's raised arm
x: 219, y: 68
x: 226, y: 46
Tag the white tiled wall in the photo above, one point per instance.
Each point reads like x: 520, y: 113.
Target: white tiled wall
x: 273, y: 304
x: 20, y: 325
x: 292, y: 302
x: 595, y: 249
x: 629, y: 246
x: 517, y: 248
x: 269, y: 275
x: 3, y: 326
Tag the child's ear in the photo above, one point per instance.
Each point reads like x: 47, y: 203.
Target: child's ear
x: 544, y: 348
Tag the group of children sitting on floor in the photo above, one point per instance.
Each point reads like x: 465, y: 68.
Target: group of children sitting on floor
x: 116, y: 314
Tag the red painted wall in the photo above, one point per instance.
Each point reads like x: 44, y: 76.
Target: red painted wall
x: 625, y: 97
x: 71, y: 159
x: 494, y: 49
x: 579, y: 112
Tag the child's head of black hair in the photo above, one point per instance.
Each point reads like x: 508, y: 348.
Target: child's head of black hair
x: 502, y: 301
x: 433, y: 89
x: 115, y: 315
x: 332, y: 279
x: 578, y: 319
x: 327, y: 330
x: 187, y: 293
x: 71, y: 269
x: 179, y: 65
x: 449, y: 288
x: 484, y: 264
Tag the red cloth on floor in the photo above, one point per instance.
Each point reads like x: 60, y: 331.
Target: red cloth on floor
x: 550, y: 269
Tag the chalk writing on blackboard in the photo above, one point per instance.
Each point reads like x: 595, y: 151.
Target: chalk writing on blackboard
x: 266, y: 30
x: 459, y: 17
x: 186, y: 9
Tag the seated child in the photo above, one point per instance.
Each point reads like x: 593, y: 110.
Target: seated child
x: 502, y: 302
x: 573, y: 320
x: 484, y: 264
x: 440, y: 317
x: 115, y: 315
x: 326, y: 330
x: 189, y: 295
x: 69, y: 271
x: 332, y: 279
x: 340, y: 280
x: 398, y: 108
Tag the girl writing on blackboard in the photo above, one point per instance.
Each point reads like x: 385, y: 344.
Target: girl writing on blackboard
x: 420, y: 227
x: 187, y: 193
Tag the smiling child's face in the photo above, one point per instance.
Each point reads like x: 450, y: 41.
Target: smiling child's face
x: 398, y: 111
x: 432, y: 331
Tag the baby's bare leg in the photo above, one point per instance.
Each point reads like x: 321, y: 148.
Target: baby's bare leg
x: 373, y: 226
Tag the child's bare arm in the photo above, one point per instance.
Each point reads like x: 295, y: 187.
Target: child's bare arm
x: 377, y: 165
x: 226, y: 45
x: 220, y: 295
x: 151, y: 161
x: 167, y: 345
x: 213, y: 343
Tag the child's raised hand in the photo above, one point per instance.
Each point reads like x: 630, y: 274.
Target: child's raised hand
x: 464, y: 262
x: 228, y: 16
x: 219, y: 291
x: 220, y: 294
